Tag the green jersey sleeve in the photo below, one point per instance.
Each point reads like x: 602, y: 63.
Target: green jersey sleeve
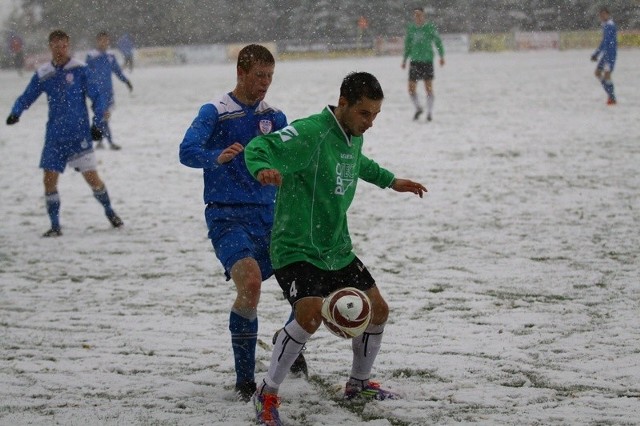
x: 287, y: 150
x: 371, y: 172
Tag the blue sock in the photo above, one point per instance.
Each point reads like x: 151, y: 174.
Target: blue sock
x: 292, y: 316
x: 103, y: 197
x: 53, y: 209
x: 106, y: 133
x: 244, y: 336
x: 607, y: 85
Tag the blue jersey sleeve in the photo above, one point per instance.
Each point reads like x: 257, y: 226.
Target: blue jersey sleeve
x: 32, y: 92
x: 115, y: 68
x: 99, y: 103
x: 192, y: 149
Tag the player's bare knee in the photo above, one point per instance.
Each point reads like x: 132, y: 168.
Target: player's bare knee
x: 380, y: 312
x: 309, y: 313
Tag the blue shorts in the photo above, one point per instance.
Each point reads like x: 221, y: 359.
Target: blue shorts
x: 56, y: 155
x: 240, y: 231
x: 606, y: 65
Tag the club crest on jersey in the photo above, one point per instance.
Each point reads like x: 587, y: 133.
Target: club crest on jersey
x: 266, y: 126
x: 69, y: 78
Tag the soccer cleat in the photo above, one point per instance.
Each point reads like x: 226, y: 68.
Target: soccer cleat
x: 372, y: 391
x: 417, y: 114
x: 429, y: 117
x: 115, y: 220
x: 53, y: 232
x: 611, y: 101
x: 299, y: 366
x: 266, y: 406
x: 99, y: 145
x: 245, y: 390
x: 115, y: 147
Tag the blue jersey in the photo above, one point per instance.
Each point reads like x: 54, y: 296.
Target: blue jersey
x: 67, y: 88
x: 101, y: 65
x: 609, y: 45
x: 219, y: 125
x: 125, y: 44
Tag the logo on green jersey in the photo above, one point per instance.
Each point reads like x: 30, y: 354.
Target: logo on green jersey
x: 287, y: 133
x: 344, y: 177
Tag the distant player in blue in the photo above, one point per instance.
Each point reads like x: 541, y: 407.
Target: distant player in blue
x: 606, y: 53
x: 101, y: 65
x: 239, y: 210
x: 125, y: 45
x: 68, y: 136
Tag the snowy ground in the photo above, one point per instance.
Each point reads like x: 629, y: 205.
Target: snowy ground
x: 514, y: 285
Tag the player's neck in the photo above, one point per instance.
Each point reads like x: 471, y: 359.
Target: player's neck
x: 243, y: 97
x: 60, y: 61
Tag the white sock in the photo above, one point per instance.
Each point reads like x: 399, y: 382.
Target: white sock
x: 430, y: 100
x: 287, y: 348
x: 365, y: 349
x: 414, y: 99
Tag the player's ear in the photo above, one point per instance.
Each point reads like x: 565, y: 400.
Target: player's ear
x: 342, y: 102
x: 240, y: 73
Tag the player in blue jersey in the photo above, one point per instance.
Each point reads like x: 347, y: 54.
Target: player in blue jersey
x: 239, y: 210
x: 126, y: 46
x: 606, y: 54
x: 101, y: 65
x: 68, y: 136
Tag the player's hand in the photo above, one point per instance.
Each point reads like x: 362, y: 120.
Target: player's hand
x: 270, y: 177
x: 594, y: 57
x: 130, y: 86
x: 230, y: 153
x: 442, y: 62
x: 96, y: 133
x: 406, y: 185
x: 404, y: 65
x: 12, y: 119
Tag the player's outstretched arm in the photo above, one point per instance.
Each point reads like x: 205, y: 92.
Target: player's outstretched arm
x: 406, y: 185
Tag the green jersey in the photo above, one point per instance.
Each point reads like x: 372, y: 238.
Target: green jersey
x: 320, y: 167
x: 419, y: 41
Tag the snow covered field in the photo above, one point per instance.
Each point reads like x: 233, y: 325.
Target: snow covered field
x: 514, y: 285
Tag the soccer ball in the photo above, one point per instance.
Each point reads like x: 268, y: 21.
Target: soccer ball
x: 346, y: 312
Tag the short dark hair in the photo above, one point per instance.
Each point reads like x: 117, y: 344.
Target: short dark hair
x: 58, y: 35
x: 605, y: 10
x: 253, y: 53
x: 102, y: 34
x: 358, y: 85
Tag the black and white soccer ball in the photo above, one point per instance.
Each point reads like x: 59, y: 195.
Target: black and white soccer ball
x: 346, y: 312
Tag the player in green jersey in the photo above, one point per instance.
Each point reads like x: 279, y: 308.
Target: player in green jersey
x: 317, y: 162
x: 418, y: 47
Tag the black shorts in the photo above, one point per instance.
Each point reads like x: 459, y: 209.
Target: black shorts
x: 302, y: 279
x: 420, y: 71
